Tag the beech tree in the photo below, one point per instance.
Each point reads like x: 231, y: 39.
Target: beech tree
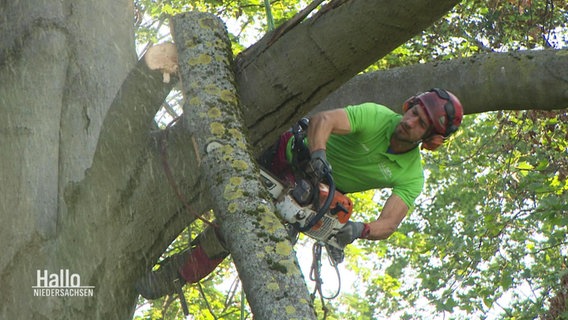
x: 84, y: 187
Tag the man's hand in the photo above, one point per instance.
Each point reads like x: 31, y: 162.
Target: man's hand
x: 351, y: 231
x: 318, y: 166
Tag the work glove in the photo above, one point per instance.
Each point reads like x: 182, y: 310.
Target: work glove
x: 351, y: 231
x: 318, y: 166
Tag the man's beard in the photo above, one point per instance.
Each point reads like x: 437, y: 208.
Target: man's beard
x: 401, y: 134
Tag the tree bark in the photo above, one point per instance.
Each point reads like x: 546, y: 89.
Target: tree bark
x: 57, y: 82
x: 253, y: 234
x: 536, y: 79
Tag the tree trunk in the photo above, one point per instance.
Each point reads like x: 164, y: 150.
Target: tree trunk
x: 56, y: 85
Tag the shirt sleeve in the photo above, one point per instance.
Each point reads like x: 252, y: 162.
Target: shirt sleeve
x: 367, y: 115
x: 409, y: 191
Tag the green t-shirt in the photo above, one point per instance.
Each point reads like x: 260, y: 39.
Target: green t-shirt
x: 360, y: 161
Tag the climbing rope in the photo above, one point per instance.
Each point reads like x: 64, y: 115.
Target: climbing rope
x: 315, y: 275
x: 163, y: 143
x: 179, y: 289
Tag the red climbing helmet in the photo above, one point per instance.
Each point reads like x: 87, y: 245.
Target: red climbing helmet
x: 442, y: 107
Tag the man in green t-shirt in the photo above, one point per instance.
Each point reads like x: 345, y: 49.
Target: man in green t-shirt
x: 364, y: 146
x: 368, y: 146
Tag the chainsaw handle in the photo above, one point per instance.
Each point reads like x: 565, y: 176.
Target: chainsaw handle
x: 324, y: 208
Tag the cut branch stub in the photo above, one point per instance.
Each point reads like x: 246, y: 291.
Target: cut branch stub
x: 164, y: 58
x: 263, y: 255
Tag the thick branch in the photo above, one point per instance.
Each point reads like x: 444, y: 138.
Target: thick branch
x: 124, y: 134
x: 255, y: 237
x: 323, y: 52
x: 486, y: 82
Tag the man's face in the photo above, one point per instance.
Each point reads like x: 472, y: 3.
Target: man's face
x: 414, y: 125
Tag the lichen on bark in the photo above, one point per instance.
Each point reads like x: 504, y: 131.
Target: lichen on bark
x: 213, y: 116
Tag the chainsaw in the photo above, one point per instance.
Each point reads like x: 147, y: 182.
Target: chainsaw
x: 315, y: 209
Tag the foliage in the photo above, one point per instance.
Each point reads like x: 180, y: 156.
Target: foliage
x: 481, y: 26
x: 246, y: 19
x: 488, y: 237
x: 497, y: 222
x: 490, y: 229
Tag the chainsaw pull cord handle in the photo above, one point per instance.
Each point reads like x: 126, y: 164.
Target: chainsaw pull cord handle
x: 325, y: 207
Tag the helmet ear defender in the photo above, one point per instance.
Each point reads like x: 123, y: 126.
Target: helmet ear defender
x: 451, y: 129
x: 449, y: 110
x: 451, y: 125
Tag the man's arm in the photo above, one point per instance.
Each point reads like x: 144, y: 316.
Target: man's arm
x: 323, y: 124
x: 392, y: 215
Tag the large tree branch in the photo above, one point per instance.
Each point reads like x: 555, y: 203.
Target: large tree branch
x: 126, y: 193
x: 486, y: 82
x: 253, y: 234
x: 323, y: 52
x: 124, y: 132
x: 127, y: 164
x: 138, y: 221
